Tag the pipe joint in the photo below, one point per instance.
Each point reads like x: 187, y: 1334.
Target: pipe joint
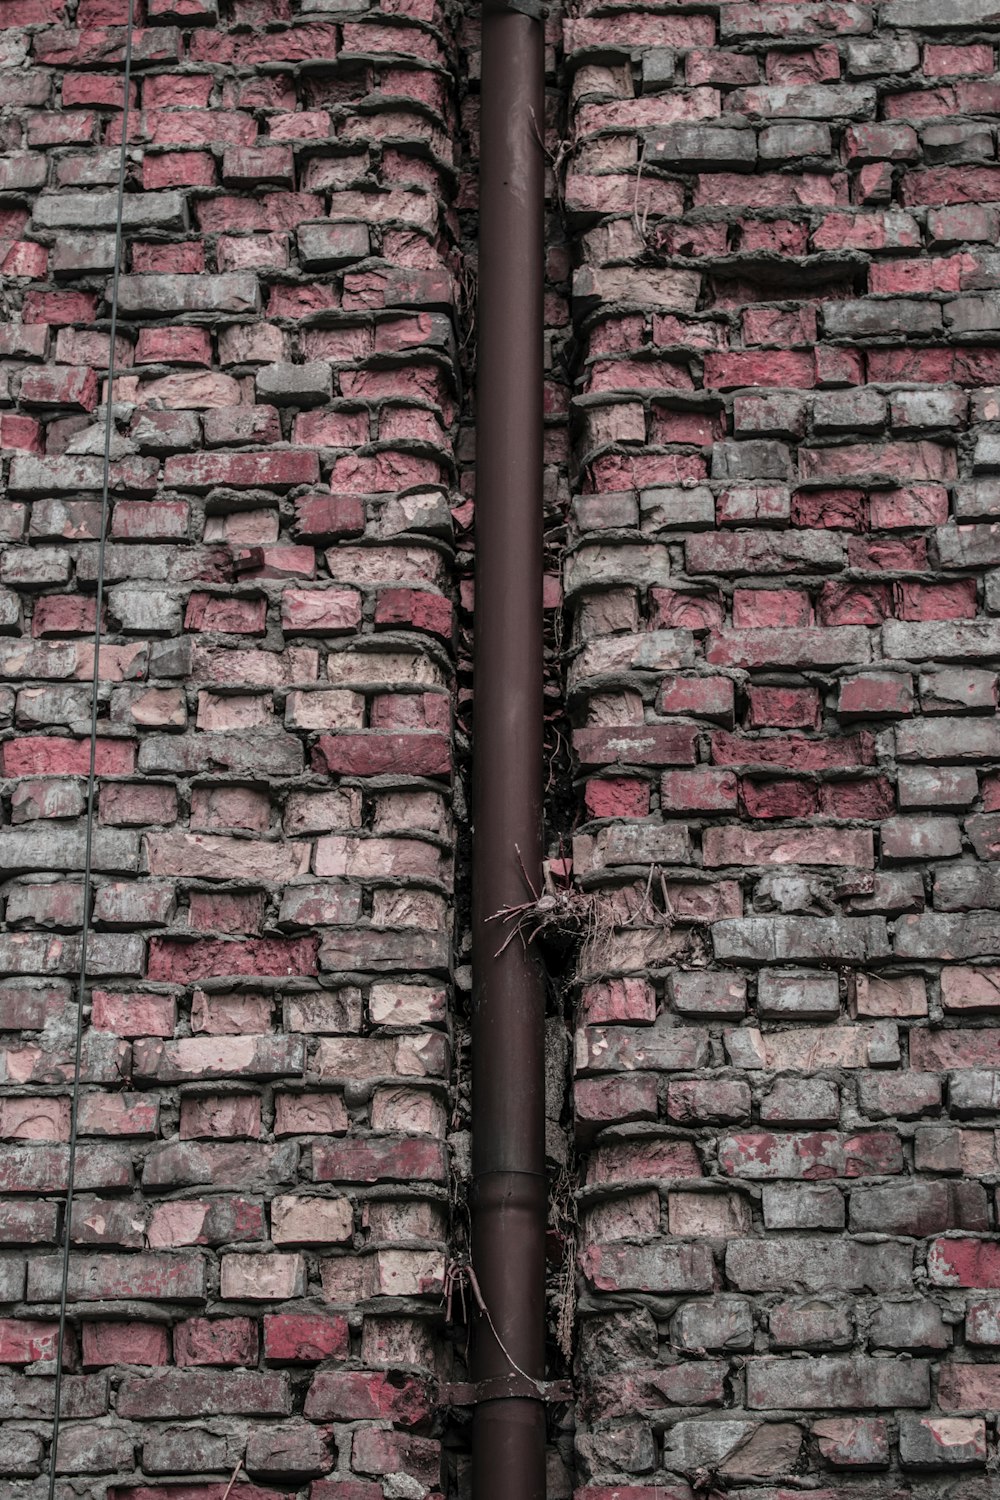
x: 532, y: 8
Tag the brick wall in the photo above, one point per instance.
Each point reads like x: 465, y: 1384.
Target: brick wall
x: 259, y: 1234
x: 770, y: 511
x: 783, y: 588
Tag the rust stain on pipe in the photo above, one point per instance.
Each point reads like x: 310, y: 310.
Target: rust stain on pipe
x: 508, y: 1114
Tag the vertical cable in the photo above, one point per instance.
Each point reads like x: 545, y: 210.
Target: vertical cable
x: 92, y: 766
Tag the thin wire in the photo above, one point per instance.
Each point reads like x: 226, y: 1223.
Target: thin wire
x: 456, y: 1276
x: 92, y: 765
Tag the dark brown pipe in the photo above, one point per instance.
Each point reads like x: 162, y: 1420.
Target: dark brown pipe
x: 508, y: 1092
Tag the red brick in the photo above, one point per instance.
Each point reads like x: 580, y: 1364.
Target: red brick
x: 45, y: 755
x: 24, y: 1340
x: 794, y: 752
x: 783, y: 708
x: 418, y: 609
x: 778, y: 799
x: 278, y: 470
x: 376, y: 754
x: 771, y: 607
x: 726, y: 371
x: 358, y: 1395
x: 617, y: 797
x: 179, y: 961
x: 305, y: 1338
x: 216, y: 1341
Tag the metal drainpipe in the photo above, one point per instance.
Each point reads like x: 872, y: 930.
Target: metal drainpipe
x: 509, y: 1194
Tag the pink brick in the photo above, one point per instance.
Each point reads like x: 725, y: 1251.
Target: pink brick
x: 133, y: 1015
x: 958, y: 1262
x: 24, y: 1340
x: 876, y: 695
x: 698, y: 791
x: 206, y: 958
x: 176, y: 346
x: 375, y: 754
x: 777, y: 799
x: 770, y: 607
x: 320, y: 611
x: 125, y: 1344
x: 950, y: 62
x: 937, y: 601
x: 184, y: 259
x: 49, y: 755
x: 134, y: 803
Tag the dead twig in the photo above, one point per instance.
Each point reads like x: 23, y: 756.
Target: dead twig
x: 468, y: 292
x: 235, y: 1476
x: 640, y: 223
x: 557, y: 160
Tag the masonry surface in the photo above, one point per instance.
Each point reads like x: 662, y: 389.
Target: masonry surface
x: 773, y: 523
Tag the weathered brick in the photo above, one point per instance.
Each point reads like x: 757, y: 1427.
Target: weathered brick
x: 836, y: 1383
x: 818, y: 1264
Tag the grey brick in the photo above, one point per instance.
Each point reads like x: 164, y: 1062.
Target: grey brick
x: 766, y: 939
x: 891, y: 315
x: 298, y: 385
x: 970, y: 547
x: 720, y: 1323
x: 837, y: 1384
x: 251, y: 753
x: 99, y: 211
x: 755, y: 459
x: 700, y: 146
x: 807, y: 101
x: 668, y: 508
x: 323, y: 245
x: 62, y: 848
x: 913, y: 1324
x: 940, y: 640
x: 144, y: 610
x: 930, y: 16
x: 891, y: 54
x: 231, y: 292
x: 933, y: 1442
x: 809, y: 1206
x: 974, y: 1091
x: 969, y: 935
x: 667, y: 288
x: 786, y: 141
x: 820, y: 1263
x: 977, y: 499
x: 731, y: 1447
x: 763, y: 552
x: 800, y: 995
